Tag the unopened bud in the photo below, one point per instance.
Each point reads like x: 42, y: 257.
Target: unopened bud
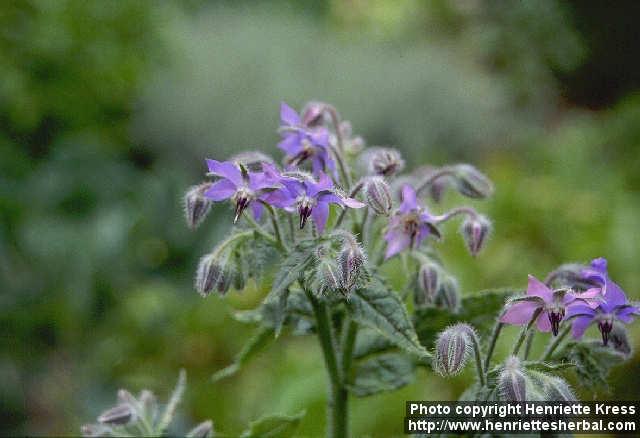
x: 378, y: 195
x: 448, y: 295
x: 251, y: 160
x: 327, y: 276
x: 313, y: 114
x: 148, y: 401
x: 512, y: 382
x: 386, y: 162
x: 117, y: 415
x: 620, y: 339
x: 475, y: 230
x: 437, y: 189
x: 196, y: 205
x: 552, y: 388
x: 202, y: 430
x: 428, y: 284
x: 94, y: 430
x: 453, y: 348
x: 351, y: 264
x: 212, y: 275
x: 473, y: 183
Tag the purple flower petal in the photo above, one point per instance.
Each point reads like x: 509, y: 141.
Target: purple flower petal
x: 279, y: 198
x: 519, y: 313
x: 288, y: 115
x: 539, y: 289
x: 324, y: 183
x: 319, y: 137
x: 409, y: 201
x: 543, y: 323
x: 320, y: 213
x: 613, y: 297
x: 579, y: 309
x: 291, y: 144
x: 256, y: 209
x: 579, y: 325
x: 220, y: 190
x: 397, y: 241
x: 225, y: 169
x: 260, y: 181
x: 352, y: 203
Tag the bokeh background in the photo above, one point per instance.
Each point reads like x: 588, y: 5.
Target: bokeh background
x: 108, y: 108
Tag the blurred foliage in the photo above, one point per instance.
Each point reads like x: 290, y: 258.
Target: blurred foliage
x: 107, y: 110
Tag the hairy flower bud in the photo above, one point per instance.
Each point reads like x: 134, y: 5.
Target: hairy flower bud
x: 552, y: 388
x: 212, y: 274
x: 313, y: 114
x: 351, y: 264
x: 202, y: 430
x: 385, y: 162
x: 327, y: 276
x: 453, y: 348
x: 428, y: 284
x: 378, y: 195
x: 472, y: 183
x: 196, y: 205
x: 620, y: 339
x: 475, y: 230
x: 448, y: 295
x: 118, y: 415
x: 512, y: 382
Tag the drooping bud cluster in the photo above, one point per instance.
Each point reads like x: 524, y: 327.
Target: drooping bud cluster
x: 378, y: 195
x: 475, y: 230
x: 448, y: 295
x: 472, y: 183
x: 385, y: 162
x: 453, y: 348
x: 512, y: 384
x: 196, y: 205
x: 429, y: 277
x: 212, y: 274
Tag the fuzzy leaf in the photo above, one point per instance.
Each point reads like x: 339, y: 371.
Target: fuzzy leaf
x: 480, y: 310
x: 273, y: 426
x: 384, y: 372
x: 275, y: 304
x: 592, y: 360
x: 381, y: 309
x: 370, y: 341
x: 250, y: 349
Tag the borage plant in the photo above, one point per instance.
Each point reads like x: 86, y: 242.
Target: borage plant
x: 330, y: 218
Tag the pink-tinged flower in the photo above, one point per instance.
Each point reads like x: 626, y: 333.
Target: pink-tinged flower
x: 242, y: 187
x: 410, y: 225
x: 304, y: 140
x: 311, y: 198
x: 553, y: 305
x: 614, y: 307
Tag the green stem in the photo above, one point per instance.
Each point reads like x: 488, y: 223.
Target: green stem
x: 353, y: 193
x: 276, y: 226
x: 478, y: 356
x: 555, y: 342
x: 492, y: 343
x: 527, y: 345
x: 525, y: 330
x: 258, y: 228
x: 337, y: 403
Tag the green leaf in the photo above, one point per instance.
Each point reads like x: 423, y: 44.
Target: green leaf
x: 251, y: 348
x: 292, y: 268
x: 381, y: 309
x: 273, y: 426
x: 546, y: 367
x: 480, y: 310
x: 593, y: 361
x: 384, y: 372
x: 370, y: 341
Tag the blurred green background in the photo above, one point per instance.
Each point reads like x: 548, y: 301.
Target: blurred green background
x: 107, y: 110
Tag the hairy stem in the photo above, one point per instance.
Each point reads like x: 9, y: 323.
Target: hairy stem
x: 445, y: 171
x: 525, y: 330
x: 551, y: 347
x: 459, y: 211
x: 356, y: 189
x: 276, y: 226
x: 260, y: 230
x: 527, y: 345
x: 478, y: 356
x: 495, y: 333
x: 337, y: 403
